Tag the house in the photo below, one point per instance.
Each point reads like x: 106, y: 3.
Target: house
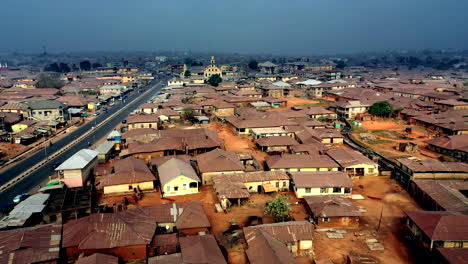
x: 353, y: 162
x: 232, y: 188
x: 39, y: 244
x: 26, y: 213
x: 142, y: 121
x: 416, y: 168
x: 321, y: 183
x: 105, y: 150
x: 126, y: 235
x: 15, y: 107
x: 292, y: 162
x: 269, y: 132
x: 438, y: 229
x: 440, y: 195
x: 276, y: 143
x: 267, y: 67
x: 165, y: 244
x: 333, y: 211
x: 217, y: 162
x: 451, y: 255
x: 350, y: 109
x: 320, y: 113
x: 244, y: 126
x: 48, y: 110
x: 130, y: 175
x: 272, y: 241
x: 223, y: 109
x: 324, y: 135
x: 451, y: 105
x: 75, y: 171
x: 177, y: 177
x: 112, y: 89
x: 201, y: 249
x: 455, y: 147
x: 445, y: 123
x: 316, y: 148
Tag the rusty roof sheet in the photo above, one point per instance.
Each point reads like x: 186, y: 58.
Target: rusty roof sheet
x: 441, y: 225
x: 201, y: 249
x: 129, y: 170
x: 31, y: 245
x: 105, y: 231
x: 446, y: 193
x: 276, y: 141
x: 430, y: 165
x: 264, y: 248
x: 142, y: 118
x: 286, y: 232
x: 165, y: 240
x: 458, y: 142
x: 167, y: 259
x: 454, y: 255
x: 317, y: 179
x: 219, y: 160
x: 174, y: 168
x: 98, y: 258
x: 348, y: 157
x: 331, y: 206
x: 288, y: 161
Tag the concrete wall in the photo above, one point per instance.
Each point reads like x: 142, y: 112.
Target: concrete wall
x: 306, y: 169
x: 207, y: 177
x: 128, y: 188
x: 180, y: 181
x: 301, y: 192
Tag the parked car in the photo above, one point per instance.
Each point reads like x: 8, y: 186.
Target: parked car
x: 97, y: 113
x: 20, y: 197
x: 104, y: 108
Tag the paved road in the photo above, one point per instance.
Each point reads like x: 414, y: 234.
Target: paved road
x: 41, y: 174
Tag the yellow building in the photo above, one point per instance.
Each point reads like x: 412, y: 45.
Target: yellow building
x: 297, y: 163
x: 128, y: 78
x: 321, y: 183
x: 212, y: 69
x: 354, y: 163
x: 177, y: 178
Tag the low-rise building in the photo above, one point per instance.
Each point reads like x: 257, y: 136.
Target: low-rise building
x: 354, y: 163
x: 416, y: 168
x: 292, y: 162
x: 75, y: 171
x: 455, y: 147
x: 321, y: 183
x: 177, y: 177
x: 276, y: 143
x: 333, y: 211
x: 142, y: 121
x: 48, y: 110
x: 217, y: 162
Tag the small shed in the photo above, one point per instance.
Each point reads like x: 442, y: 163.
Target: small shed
x: 105, y: 150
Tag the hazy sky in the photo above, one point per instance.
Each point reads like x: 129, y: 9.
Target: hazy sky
x: 245, y: 26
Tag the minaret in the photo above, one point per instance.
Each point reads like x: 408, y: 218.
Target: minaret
x: 185, y: 68
x: 212, y: 61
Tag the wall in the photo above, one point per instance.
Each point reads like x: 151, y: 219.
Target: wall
x: 128, y: 188
x: 353, y: 221
x: 142, y: 125
x: 179, y: 181
x: 306, y: 169
x: 207, y: 177
x: 301, y: 192
x: 253, y: 186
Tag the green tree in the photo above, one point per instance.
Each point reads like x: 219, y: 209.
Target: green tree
x: 253, y: 65
x: 340, y: 64
x: 96, y: 65
x: 187, y: 73
x: 64, y: 67
x: 49, y: 81
x: 215, y: 80
x: 382, y: 108
x: 53, y: 67
x: 85, y: 65
x: 278, y: 208
x: 189, y: 114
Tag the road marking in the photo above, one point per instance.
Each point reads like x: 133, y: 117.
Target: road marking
x: 69, y: 145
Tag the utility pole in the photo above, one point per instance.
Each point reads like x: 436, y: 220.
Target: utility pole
x: 380, y: 219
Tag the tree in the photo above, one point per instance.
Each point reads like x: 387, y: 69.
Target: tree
x: 187, y: 73
x: 53, y: 67
x: 278, y: 208
x: 189, y: 114
x: 253, y: 65
x: 340, y: 64
x: 74, y: 67
x: 382, y: 108
x: 49, y: 81
x: 85, y: 65
x: 215, y: 80
x: 96, y: 65
x: 64, y: 67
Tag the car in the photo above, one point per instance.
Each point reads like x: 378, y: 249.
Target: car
x: 104, y: 108
x: 124, y: 121
x: 111, y: 104
x: 20, y: 197
x: 97, y: 113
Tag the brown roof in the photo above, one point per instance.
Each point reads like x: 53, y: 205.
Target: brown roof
x: 331, y: 206
x: 98, y: 258
x: 318, y: 133
x: 276, y: 141
x: 317, y: 179
x: 347, y: 157
x: 190, y: 214
x: 163, y: 240
x: 140, y: 133
x: 430, y: 165
x: 458, y: 142
x: 288, y: 161
x: 219, y: 160
x: 31, y: 245
x: 446, y: 193
x: 311, y: 148
x: 126, y: 171
x: 160, y: 160
x: 285, y: 232
x: 441, y: 225
x: 105, y: 231
x: 201, y: 249
x: 167, y: 259
x: 142, y: 118
x: 265, y: 249
x: 269, y: 121
x: 454, y: 255
x: 174, y: 168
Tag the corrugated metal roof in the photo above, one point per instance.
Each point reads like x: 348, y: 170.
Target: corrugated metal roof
x: 174, y: 168
x: 24, y: 210
x: 79, y: 160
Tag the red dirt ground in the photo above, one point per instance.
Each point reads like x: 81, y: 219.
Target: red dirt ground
x: 294, y: 101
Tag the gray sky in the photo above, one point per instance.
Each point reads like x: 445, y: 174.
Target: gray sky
x: 246, y: 26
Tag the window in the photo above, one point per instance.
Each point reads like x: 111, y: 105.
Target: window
x: 277, y: 184
x: 184, y: 187
x: 193, y: 185
x: 336, y: 189
x: 130, y: 187
x: 307, y: 190
x: 168, y: 188
x: 133, y: 126
x: 345, y: 219
x: 324, y: 190
x: 142, y: 125
x: 325, y: 219
x: 371, y: 170
x: 347, y: 190
x: 176, y: 188
x: 284, y: 184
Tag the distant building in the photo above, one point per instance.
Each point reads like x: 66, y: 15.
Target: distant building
x: 212, y: 69
x: 75, y: 171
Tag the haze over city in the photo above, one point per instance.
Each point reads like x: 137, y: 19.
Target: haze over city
x: 296, y: 27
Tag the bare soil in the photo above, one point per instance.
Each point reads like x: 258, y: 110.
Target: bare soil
x: 387, y: 145
x: 294, y: 101
x: 382, y: 196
